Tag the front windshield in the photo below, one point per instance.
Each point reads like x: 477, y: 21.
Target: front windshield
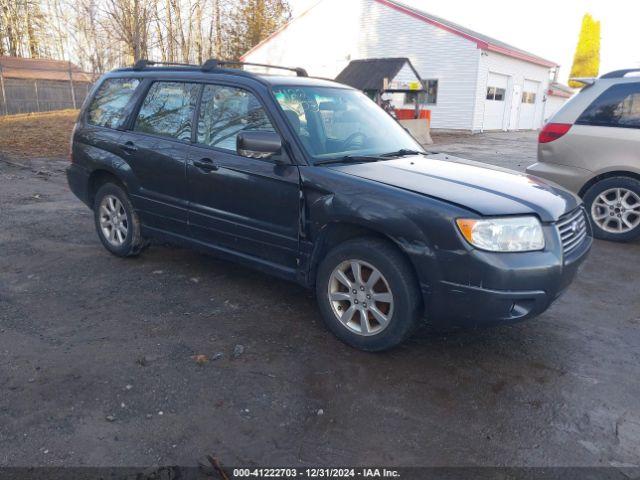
x: 334, y: 122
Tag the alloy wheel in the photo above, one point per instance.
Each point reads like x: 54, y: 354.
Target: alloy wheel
x: 114, y: 222
x: 616, y: 210
x: 360, y: 297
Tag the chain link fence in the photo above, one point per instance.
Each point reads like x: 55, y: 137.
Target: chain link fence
x: 21, y: 94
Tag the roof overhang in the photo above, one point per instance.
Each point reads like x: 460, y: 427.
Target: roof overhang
x: 380, y: 75
x: 41, y: 69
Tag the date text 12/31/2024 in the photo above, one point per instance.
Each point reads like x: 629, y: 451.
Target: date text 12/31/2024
x: 315, y: 473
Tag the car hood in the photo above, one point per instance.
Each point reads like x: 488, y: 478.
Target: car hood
x: 485, y: 189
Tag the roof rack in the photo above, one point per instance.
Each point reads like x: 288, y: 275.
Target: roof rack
x: 213, y: 64
x: 144, y: 63
x: 620, y: 73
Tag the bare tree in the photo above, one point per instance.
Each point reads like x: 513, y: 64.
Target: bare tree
x: 89, y: 37
x: 11, y: 11
x: 102, y: 34
x: 130, y: 21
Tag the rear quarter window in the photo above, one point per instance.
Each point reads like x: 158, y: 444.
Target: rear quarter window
x: 107, y: 108
x: 618, y: 106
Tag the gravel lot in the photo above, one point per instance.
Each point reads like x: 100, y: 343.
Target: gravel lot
x: 97, y: 361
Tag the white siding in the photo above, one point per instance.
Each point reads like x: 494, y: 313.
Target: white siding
x: 435, y: 54
x: 405, y: 75
x: 324, y: 40
x: 518, y: 71
x: 552, y: 105
x: 334, y: 32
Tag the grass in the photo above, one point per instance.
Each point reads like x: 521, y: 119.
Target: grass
x: 37, y: 134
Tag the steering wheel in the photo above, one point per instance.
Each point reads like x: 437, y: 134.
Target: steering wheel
x: 350, y: 141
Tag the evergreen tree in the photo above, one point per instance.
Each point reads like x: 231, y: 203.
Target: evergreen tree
x: 586, y: 61
x: 251, y: 21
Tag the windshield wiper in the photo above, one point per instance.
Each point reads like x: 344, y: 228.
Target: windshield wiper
x: 402, y: 152
x: 352, y: 159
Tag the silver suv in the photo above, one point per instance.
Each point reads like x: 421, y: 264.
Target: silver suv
x: 592, y: 147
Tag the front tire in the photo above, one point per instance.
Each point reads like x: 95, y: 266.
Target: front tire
x: 614, y: 209
x: 116, y: 221
x: 368, y: 294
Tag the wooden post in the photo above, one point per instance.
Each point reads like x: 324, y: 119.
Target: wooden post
x: 73, y: 93
x: 4, y: 95
x: 35, y: 87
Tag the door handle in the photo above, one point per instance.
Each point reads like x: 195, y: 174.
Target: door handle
x: 205, y: 164
x: 129, y: 147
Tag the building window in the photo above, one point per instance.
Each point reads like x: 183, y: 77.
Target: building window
x: 428, y: 97
x: 528, y: 97
x: 495, y: 93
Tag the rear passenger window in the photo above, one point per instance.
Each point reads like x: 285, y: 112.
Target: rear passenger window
x: 107, y: 107
x: 168, y: 110
x: 227, y: 111
x: 618, y: 106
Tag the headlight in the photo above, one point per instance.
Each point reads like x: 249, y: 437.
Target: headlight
x: 508, y: 234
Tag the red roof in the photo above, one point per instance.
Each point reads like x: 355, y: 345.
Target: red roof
x: 482, y: 41
x: 41, y: 69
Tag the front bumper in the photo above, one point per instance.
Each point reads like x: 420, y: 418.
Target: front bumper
x: 503, y: 288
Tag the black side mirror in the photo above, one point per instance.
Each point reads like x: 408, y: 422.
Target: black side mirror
x: 258, y: 144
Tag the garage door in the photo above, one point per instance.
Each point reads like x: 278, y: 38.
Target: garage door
x: 529, y: 104
x: 495, y: 104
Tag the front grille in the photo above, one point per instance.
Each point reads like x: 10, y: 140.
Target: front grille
x: 573, y: 229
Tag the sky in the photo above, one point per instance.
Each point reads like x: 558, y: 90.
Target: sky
x: 547, y: 28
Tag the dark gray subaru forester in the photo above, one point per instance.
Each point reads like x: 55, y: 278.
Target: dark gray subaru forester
x: 311, y: 181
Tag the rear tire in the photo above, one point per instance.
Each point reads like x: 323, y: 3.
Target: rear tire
x: 375, y: 309
x: 613, y: 205
x: 117, y: 223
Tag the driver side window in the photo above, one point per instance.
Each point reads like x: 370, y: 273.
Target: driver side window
x: 227, y: 111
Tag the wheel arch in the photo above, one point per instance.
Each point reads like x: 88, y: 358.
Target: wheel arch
x: 98, y: 178
x: 604, y: 176
x: 336, y: 232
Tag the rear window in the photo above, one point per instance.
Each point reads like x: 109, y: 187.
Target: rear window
x: 107, y: 109
x: 168, y: 110
x: 618, y: 106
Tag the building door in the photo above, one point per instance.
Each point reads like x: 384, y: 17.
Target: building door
x: 495, y: 103
x: 528, y: 105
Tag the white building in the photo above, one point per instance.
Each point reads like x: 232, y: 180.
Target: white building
x: 480, y: 83
x: 557, y: 95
